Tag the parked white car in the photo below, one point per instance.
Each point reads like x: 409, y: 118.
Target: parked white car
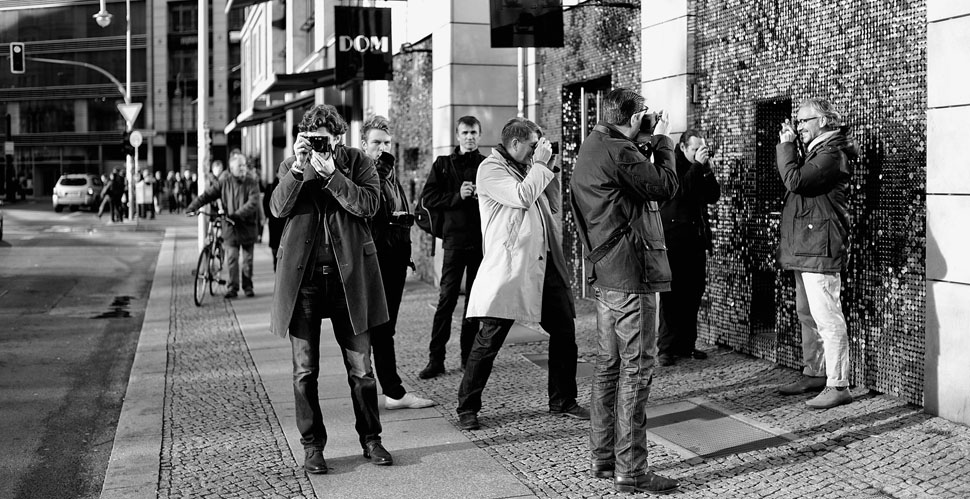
x: 77, y: 190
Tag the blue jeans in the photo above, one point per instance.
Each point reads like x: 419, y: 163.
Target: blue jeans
x: 627, y: 327
x: 321, y: 297
x: 232, y: 261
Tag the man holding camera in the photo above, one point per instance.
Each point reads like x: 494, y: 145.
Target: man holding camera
x: 814, y: 244
x: 687, y: 232
x: 391, y: 227
x: 239, y: 194
x: 451, y: 188
x: 616, y: 191
x: 327, y: 267
x: 523, y: 270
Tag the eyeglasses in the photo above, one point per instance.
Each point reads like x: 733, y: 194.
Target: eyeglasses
x: 534, y: 145
x: 806, y: 120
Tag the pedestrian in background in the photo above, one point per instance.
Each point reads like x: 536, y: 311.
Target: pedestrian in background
x: 616, y: 191
x: 274, y: 223
x: 523, y: 271
x: 239, y: 196
x: 328, y: 268
x: 815, y: 245
x: 687, y: 232
x: 451, y: 188
x: 171, y: 192
x: 391, y: 227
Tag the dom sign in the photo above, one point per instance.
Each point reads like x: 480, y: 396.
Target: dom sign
x: 363, y: 43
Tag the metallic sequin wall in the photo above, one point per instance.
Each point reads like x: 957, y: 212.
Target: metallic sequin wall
x: 755, y: 60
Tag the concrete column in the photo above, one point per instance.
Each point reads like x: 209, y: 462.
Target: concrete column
x: 947, y: 209
x: 468, y: 76
x: 667, y: 65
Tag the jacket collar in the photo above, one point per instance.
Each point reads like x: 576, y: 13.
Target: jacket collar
x: 457, y: 152
x: 611, y: 130
x: 821, y: 139
x: 500, y: 149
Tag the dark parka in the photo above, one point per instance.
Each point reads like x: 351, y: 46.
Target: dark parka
x: 350, y: 197
x: 240, y: 200
x: 815, y: 222
x: 615, y: 194
x: 686, y: 224
x: 462, y: 221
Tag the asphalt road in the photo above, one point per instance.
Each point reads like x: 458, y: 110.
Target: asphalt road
x: 73, y: 291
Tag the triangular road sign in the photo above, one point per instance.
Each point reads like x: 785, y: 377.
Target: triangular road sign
x: 130, y: 112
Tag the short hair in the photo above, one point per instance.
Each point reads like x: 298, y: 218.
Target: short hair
x: 824, y: 108
x: 469, y: 121
x: 376, y: 122
x: 218, y: 163
x: 323, y: 116
x: 620, y: 105
x: 239, y: 159
x: 693, y: 132
x: 519, y: 128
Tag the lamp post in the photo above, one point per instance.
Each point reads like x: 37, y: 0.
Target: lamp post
x: 181, y: 91
x: 103, y: 18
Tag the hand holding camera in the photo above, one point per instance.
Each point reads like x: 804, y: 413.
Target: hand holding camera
x: 543, y: 153
x: 787, y: 133
x: 467, y: 190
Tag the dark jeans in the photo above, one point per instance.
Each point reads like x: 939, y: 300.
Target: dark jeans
x: 557, y: 320
x: 456, y: 261
x: 232, y: 261
x: 627, y: 329
x: 323, y: 296
x: 679, y: 306
x: 394, y: 270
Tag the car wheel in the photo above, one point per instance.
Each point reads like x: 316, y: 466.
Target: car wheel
x: 74, y: 207
x: 58, y: 208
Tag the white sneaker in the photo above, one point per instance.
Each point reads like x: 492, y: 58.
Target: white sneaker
x: 408, y: 401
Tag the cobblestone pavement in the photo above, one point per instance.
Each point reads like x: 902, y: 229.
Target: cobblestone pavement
x: 221, y: 438
x: 877, y: 446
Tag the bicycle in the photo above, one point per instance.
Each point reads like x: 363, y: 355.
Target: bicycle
x: 208, y: 270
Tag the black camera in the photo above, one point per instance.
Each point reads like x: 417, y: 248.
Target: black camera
x: 320, y: 144
x: 648, y: 122
x: 555, y: 147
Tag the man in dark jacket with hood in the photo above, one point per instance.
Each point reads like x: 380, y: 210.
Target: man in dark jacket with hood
x: 327, y: 268
x: 814, y: 244
x: 451, y: 188
x: 688, y: 234
x: 616, y: 191
x: 240, y: 199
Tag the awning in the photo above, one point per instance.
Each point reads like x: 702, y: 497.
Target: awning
x: 298, y: 82
x: 258, y: 115
x: 238, y: 4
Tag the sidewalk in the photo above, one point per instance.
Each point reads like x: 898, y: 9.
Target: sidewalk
x: 209, y: 413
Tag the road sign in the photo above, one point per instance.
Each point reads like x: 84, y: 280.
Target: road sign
x: 135, y: 138
x: 130, y: 112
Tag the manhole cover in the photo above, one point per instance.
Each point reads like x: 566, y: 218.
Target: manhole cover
x: 697, y: 428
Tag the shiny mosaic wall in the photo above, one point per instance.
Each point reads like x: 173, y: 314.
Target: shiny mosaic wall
x: 410, y: 116
x: 602, y: 51
x: 755, y: 61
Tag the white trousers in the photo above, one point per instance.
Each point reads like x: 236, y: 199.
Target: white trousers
x: 825, y: 342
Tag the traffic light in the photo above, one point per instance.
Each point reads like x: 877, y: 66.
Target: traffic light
x: 17, y: 58
x: 126, y: 146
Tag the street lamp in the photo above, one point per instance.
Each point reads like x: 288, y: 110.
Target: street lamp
x: 103, y: 18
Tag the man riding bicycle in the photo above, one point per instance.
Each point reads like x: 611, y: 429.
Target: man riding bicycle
x: 239, y: 193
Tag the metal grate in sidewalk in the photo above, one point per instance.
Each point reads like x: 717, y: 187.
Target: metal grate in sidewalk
x: 696, y: 429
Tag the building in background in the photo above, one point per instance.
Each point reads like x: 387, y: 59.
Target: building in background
x: 65, y: 118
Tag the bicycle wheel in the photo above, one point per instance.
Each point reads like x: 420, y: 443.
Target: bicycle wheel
x: 215, y: 269
x: 202, y: 277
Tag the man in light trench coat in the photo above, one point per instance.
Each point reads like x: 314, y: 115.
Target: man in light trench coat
x: 523, y: 272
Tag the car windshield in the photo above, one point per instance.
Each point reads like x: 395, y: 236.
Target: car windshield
x: 73, y: 181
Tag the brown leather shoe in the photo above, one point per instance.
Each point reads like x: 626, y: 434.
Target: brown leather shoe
x: 377, y: 454
x: 604, y: 470
x: 647, y: 482
x: 315, y: 463
x: 805, y: 384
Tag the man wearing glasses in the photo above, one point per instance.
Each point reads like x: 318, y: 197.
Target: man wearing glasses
x: 814, y: 244
x: 616, y: 191
x: 523, y: 271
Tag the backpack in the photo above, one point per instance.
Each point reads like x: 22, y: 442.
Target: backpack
x: 430, y: 220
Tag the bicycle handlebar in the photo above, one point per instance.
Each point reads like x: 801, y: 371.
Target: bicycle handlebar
x: 220, y: 214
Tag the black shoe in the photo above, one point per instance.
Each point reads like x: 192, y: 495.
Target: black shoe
x: 231, y: 294
x: 576, y: 412
x: 378, y: 454
x: 694, y: 354
x: 666, y: 360
x: 647, y: 482
x: 432, y: 370
x: 315, y: 463
x: 468, y: 421
x: 250, y: 293
x: 604, y: 470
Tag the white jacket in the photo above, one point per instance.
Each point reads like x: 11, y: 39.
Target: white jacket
x: 518, y: 230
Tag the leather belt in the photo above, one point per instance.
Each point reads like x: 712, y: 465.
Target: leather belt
x: 325, y: 269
